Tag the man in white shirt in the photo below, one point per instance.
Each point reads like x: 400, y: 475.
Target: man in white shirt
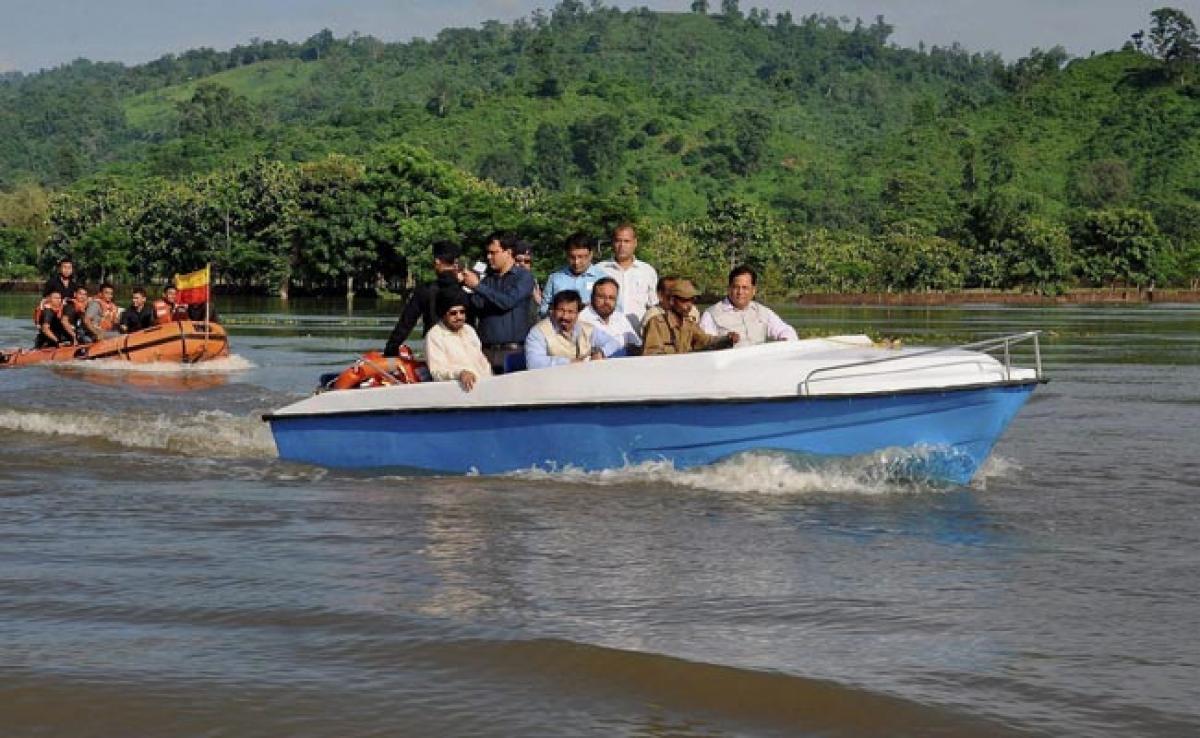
x: 603, y: 312
x: 636, y: 280
x: 739, y: 313
x: 452, y: 348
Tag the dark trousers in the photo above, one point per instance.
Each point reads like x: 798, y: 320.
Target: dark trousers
x: 496, y: 353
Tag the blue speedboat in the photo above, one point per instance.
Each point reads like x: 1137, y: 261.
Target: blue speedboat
x: 829, y: 397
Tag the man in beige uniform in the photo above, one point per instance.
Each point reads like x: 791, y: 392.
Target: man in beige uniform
x: 451, y: 347
x: 674, y: 333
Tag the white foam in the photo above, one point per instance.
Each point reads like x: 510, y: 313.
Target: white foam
x: 211, y: 433
x: 231, y: 364
x: 995, y: 467
x: 881, y: 473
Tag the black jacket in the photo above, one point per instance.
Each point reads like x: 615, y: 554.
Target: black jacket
x: 56, y: 284
x: 135, y: 320
x: 420, y: 306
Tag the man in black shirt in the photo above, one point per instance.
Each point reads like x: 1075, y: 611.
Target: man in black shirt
x: 51, y: 330
x: 64, y: 281
x: 420, y: 304
x: 138, y: 315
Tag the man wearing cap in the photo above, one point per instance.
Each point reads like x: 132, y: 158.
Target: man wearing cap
x: 636, y: 280
x: 420, y: 305
x: 603, y: 313
x: 579, y: 274
x: 452, y: 348
x: 755, y: 322
x: 673, y: 333
x: 500, y: 300
x: 561, y: 338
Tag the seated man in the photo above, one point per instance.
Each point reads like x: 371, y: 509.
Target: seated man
x: 452, y: 347
x: 561, y: 338
x: 138, y: 316
x: 674, y: 333
x: 52, y: 331
x: 100, y: 317
x: 603, y: 313
x: 72, y: 315
x: 169, y: 308
x: 755, y: 322
x: 663, y: 290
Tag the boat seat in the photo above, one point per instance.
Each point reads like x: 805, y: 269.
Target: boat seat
x: 514, y: 363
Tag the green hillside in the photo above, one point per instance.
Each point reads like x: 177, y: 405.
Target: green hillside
x: 783, y: 139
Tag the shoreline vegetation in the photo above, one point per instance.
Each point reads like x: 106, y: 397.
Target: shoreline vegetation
x: 812, y: 148
x: 1096, y: 296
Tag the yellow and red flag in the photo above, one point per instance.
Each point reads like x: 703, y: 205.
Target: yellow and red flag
x: 193, y: 286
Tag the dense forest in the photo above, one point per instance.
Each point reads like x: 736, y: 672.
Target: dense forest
x: 812, y: 147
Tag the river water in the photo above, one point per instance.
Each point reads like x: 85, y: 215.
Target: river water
x: 163, y: 574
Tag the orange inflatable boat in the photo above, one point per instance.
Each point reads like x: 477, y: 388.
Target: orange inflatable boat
x: 181, y: 342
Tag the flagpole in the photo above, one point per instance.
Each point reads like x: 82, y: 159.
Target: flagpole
x: 208, y: 304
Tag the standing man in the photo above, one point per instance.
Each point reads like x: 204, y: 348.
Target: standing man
x: 451, y: 346
x: 561, y: 338
x: 138, y: 316
x: 100, y: 317
x: 673, y: 332
x: 755, y: 322
x: 64, y: 280
x: 523, y: 255
x: 501, y: 300
x: 636, y: 279
x: 604, y: 314
x: 579, y: 274
x: 420, y: 305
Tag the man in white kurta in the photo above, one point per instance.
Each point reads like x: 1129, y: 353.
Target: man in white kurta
x: 603, y: 313
x: 636, y: 280
x: 739, y: 313
x: 452, y: 348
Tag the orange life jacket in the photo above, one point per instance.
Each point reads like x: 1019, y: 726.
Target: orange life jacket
x: 108, y: 313
x: 164, y: 313
x: 374, y: 370
x: 45, y: 305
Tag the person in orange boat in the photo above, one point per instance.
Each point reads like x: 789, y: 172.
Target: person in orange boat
x: 64, y: 280
x: 72, y: 315
x: 169, y: 308
x: 100, y: 317
x: 138, y: 315
x: 51, y: 330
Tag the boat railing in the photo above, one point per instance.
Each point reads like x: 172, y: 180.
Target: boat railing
x: 990, y: 346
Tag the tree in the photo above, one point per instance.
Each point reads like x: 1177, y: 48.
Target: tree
x: 1174, y: 40
x: 598, y: 147
x: 730, y: 9
x: 213, y: 108
x: 1121, y: 245
x: 700, y: 6
x: 551, y: 164
x: 1103, y: 183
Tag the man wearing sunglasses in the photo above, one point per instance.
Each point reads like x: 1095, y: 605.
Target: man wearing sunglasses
x: 452, y: 348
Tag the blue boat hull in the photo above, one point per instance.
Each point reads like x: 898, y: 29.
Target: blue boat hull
x: 955, y: 428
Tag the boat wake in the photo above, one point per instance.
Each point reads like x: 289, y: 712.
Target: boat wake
x: 886, y: 472
x: 211, y: 433
x: 231, y: 364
